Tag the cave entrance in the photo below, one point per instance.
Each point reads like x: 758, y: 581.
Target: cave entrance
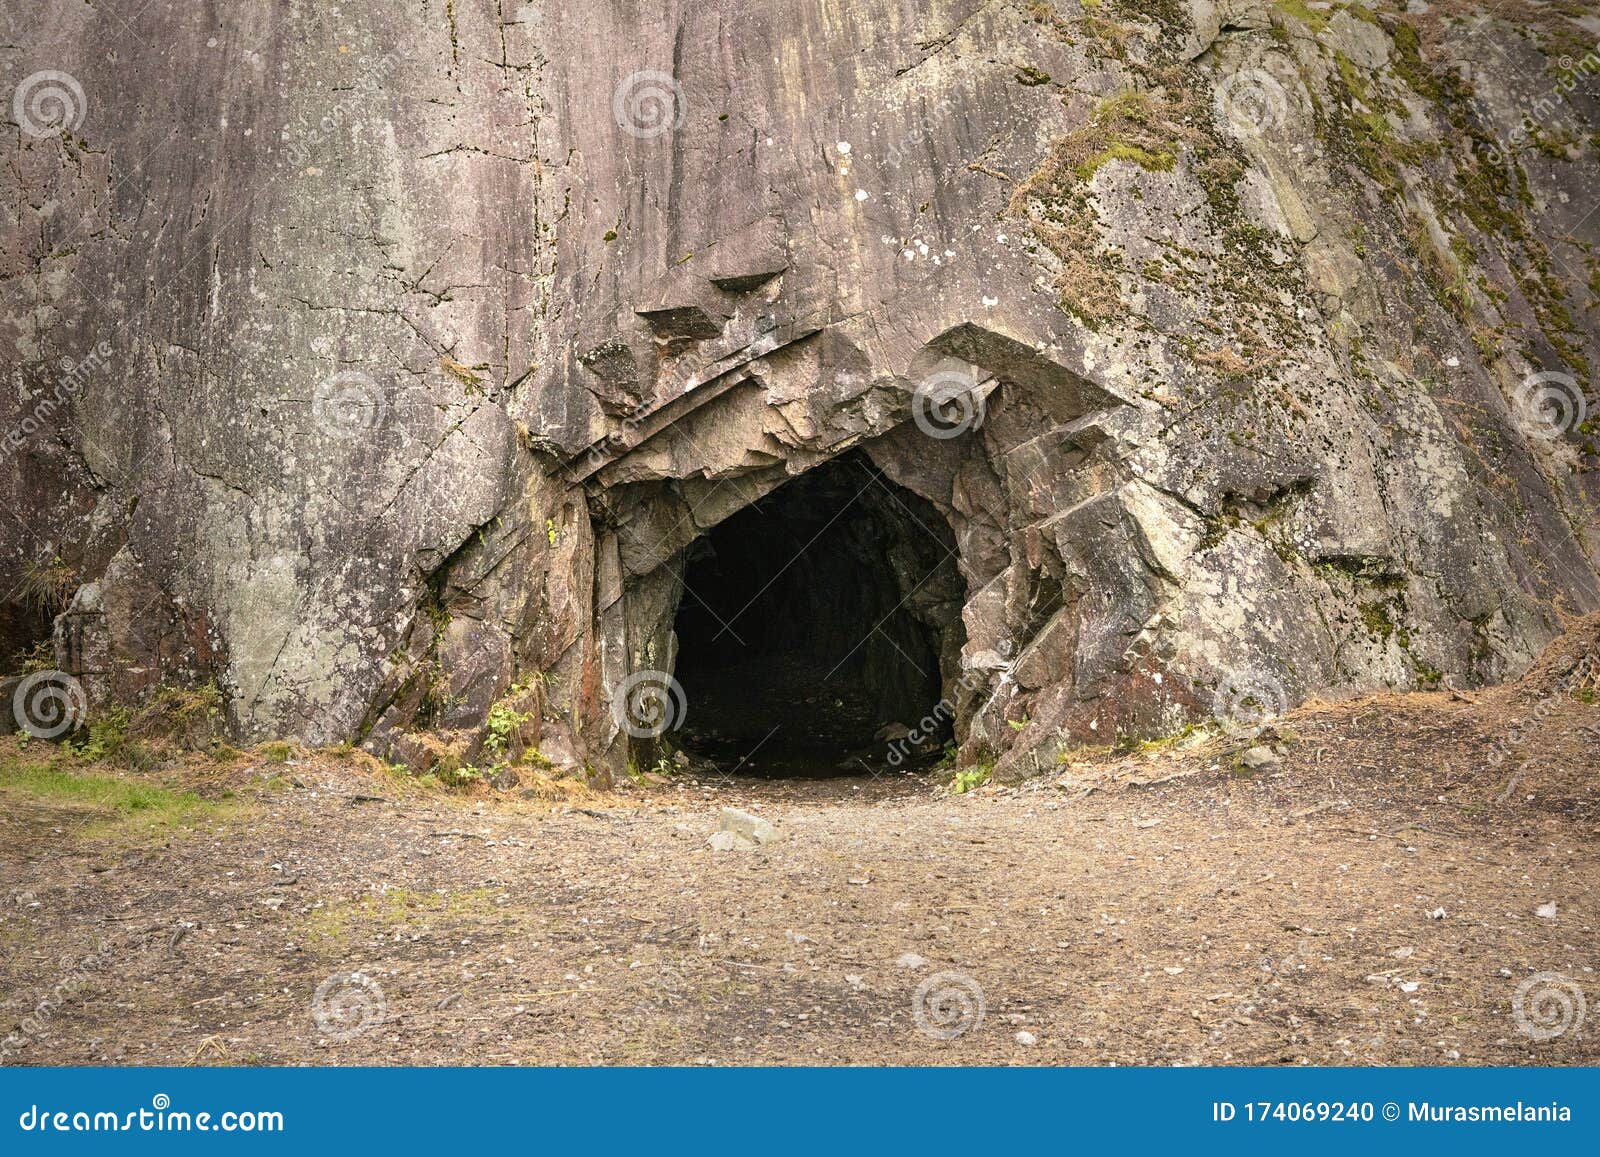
x: 818, y: 625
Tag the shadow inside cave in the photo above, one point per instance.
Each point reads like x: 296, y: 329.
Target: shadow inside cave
x: 813, y: 624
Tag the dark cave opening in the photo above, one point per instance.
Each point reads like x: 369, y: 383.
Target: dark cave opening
x: 815, y: 626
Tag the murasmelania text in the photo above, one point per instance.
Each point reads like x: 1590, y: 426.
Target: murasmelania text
x: 1518, y: 1112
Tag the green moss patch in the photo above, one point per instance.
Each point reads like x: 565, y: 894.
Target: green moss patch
x: 1130, y: 126
x: 397, y: 908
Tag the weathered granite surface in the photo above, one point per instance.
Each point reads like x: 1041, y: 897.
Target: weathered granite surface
x: 414, y: 347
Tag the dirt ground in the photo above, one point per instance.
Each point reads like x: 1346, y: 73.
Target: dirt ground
x: 1377, y: 896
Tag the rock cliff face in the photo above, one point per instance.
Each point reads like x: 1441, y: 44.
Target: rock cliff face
x: 380, y: 367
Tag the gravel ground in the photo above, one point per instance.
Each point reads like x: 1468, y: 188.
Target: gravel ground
x: 1377, y: 895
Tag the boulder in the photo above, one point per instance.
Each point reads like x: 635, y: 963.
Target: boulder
x: 746, y: 826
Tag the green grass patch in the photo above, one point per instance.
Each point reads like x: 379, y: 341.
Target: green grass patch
x: 396, y: 908
x: 1311, y: 17
x: 1128, y: 744
x: 114, y: 803
x: 276, y: 751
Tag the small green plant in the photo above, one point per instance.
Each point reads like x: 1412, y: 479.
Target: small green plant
x: 40, y: 657
x: 502, y: 726
x: 108, y: 738
x: 974, y: 776
x: 276, y: 751
x: 466, y: 774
